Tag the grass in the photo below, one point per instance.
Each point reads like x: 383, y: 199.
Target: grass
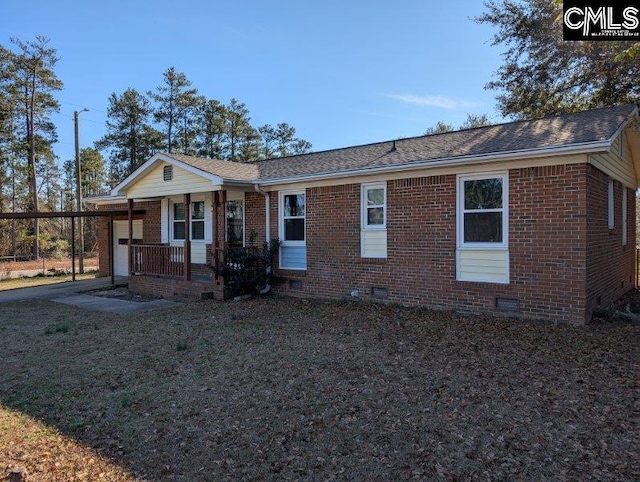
x: 12, y: 284
x: 283, y: 389
x: 46, y: 454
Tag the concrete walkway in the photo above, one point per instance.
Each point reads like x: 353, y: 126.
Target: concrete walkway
x: 72, y: 293
x: 111, y: 305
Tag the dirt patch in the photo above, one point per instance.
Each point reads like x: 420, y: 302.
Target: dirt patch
x: 121, y: 293
x: 284, y: 389
x: 53, y: 264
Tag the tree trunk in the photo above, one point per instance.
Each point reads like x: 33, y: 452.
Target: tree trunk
x: 33, y: 185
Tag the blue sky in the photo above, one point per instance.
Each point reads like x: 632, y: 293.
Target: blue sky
x: 341, y: 72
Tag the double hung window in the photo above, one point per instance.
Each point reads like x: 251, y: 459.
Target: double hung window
x: 374, y: 206
x: 196, y: 220
x: 482, y: 211
x: 293, y: 252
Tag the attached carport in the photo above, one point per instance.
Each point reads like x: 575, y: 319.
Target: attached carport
x: 111, y: 214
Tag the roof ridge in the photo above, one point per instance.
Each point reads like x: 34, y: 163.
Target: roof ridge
x: 435, y: 134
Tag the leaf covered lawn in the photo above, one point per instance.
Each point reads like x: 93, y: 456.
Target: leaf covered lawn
x: 287, y: 389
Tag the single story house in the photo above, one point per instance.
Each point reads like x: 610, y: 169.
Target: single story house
x: 531, y: 217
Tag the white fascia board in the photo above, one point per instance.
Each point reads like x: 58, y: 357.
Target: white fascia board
x: 584, y: 148
x: 107, y: 199
x: 249, y: 185
x: 161, y: 157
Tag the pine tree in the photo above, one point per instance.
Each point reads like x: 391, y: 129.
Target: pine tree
x: 211, y: 118
x: 238, y: 132
x: 280, y: 141
x: 174, y: 104
x: 34, y: 82
x: 130, y: 138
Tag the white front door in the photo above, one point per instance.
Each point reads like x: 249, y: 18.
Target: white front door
x: 121, y: 240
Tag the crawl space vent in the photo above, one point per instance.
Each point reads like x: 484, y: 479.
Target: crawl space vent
x: 295, y: 284
x: 380, y: 293
x: 507, y: 304
x: 167, y: 173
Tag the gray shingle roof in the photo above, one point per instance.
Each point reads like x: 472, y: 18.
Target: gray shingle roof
x: 557, y: 131
x: 565, y: 130
x: 238, y: 171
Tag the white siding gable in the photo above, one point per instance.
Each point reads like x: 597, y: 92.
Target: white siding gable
x: 152, y: 184
x: 617, y: 163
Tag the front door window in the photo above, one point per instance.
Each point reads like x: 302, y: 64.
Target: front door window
x: 235, y: 223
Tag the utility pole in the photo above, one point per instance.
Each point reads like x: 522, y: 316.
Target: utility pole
x: 76, y: 115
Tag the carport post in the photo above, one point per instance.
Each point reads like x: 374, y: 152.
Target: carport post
x: 73, y: 248
x: 187, y: 237
x: 130, y: 215
x: 111, y: 250
x: 216, y: 245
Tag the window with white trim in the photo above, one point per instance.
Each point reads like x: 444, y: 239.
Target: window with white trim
x: 178, y: 221
x: 374, y: 206
x: 624, y: 216
x: 292, y: 230
x: 196, y: 219
x: 373, y: 220
x: 611, y: 206
x: 482, y: 211
x: 293, y: 217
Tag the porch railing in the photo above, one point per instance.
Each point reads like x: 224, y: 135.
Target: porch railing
x: 158, y: 259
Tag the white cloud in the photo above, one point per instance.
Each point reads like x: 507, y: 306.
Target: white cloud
x: 440, y: 101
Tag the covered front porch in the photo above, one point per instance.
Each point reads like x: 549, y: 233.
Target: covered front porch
x: 197, y: 233
x: 195, y: 211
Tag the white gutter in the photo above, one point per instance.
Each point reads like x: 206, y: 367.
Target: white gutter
x: 267, y: 211
x: 585, y: 148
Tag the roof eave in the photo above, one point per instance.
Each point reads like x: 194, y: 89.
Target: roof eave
x: 583, y: 148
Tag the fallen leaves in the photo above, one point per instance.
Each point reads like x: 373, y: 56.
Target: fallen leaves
x: 291, y: 389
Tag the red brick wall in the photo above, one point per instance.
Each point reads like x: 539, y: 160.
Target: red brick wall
x: 549, y: 242
x: 254, y: 214
x: 153, y: 286
x: 547, y: 231
x: 610, y: 265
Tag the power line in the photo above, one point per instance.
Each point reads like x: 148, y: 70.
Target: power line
x: 92, y: 109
